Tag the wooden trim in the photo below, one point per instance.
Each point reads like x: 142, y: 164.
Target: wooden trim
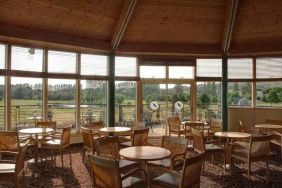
x: 240, y: 80
x: 254, y: 85
x: 45, y: 86
x: 268, y: 80
x: 8, y: 90
x: 125, y: 78
x: 208, y: 79
x: 124, y: 18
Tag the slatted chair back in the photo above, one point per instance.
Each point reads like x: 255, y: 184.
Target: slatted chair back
x: 20, y: 159
x: 47, y: 124
x: 191, y: 171
x: 198, y: 141
x: 175, y: 145
x: 140, y: 137
x: 88, y: 140
x: 9, y: 141
x: 65, y: 138
x: 216, y: 125
x: 107, y: 146
x: 105, y: 172
x: 260, y: 146
x: 173, y: 123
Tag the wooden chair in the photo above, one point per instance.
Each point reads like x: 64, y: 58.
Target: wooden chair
x: 175, y: 126
x: 47, y: 124
x: 276, y: 136
x: 177, y: 147
x: 192, y: 125
x: 106, y: 173
x: 127, y: 137
x: 59, y: 143
x: 88, y: 141
x: 189, y: 176
x: 139, y: 137
x: 109, y: 146
x: 257, y: 150
x: 13, y: 170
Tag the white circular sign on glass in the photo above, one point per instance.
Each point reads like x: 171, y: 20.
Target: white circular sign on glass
x: 178, y: 105
x: 154, y: 106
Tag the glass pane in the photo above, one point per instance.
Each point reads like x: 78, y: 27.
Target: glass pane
x: 93, y: 101
x: 2, y: 103
x: 269, y: 67
x: 181, y: 72
x: 125, y: 66
x: 125, y: 96
x: 269, y: 94
x: 240, y: 68
x: 208, y: 101
x: 2, y: 56
x: 240, y: 93
x: 209, y: 67
x: 61, y: 62
x: 152, y: 72
x: 61, y: 101
x: 27, y: 59
x: 26, y: 104
x: 94, y: 64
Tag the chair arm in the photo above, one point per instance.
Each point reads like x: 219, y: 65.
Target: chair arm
x: 177, y: 155
x: 7, y: 162
x: 276, y: 133
x: 172, y: 172
x: 8, y: 153
x: 97, y: 134
x: 132, y: 172
x: 237, y: 144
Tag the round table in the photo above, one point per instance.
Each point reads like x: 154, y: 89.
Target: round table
x: 114, y: 130
x: 267, y: 126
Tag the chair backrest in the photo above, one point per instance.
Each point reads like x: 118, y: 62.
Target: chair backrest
x: 107, y: 146
x: 105, y: 172
x: 194, y: 125
x: 198, y: 141
x: 20, y: 159
x: 9, y: 141
x: 95, y: 125
x: 260, y: 146
x: 47, y: 124
x: 175, y: 145
x: 216, y: 125
x: 88, y: 140
x: 191, y: 172
x: 173, y: 122
x: 65, y: 139
x: 140, y: 137
x: 274, y: 121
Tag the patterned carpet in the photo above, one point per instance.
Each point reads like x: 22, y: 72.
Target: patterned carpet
x: 44, y: 175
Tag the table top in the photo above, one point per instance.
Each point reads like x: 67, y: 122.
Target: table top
x: 185, y: 122
x: 144, y: 153
x: 228, y: 134
x: 35, y: 118
x: 35, y: 130
x: 115, y: 129
x: 268, y: 126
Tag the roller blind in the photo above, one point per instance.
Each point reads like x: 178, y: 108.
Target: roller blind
x: 209, y: 67
x: 94, y: 64
x: 181, y: 72
x: 2, y: 56
x: 240, y: 68
x: 152, y: 72
x: 61, y: 62
x: 26, y: 59
x: 269, y: 68
x: 125, y: 66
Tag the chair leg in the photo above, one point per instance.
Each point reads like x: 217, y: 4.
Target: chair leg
x: 249, y: 170
x: 267, y: 168
x: 83, y: 155
x: 70, y: 157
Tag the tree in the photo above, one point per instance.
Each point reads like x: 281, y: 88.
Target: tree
x: 119, y: 98
x: 273, y: 96
x: 205, y: 100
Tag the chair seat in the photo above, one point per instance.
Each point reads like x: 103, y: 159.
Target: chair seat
x: 6, y: 168
x: 163, y: 162
x: 126, y: 164
x: 125, y: 144
x: 167, y: 180
x: 276, y: 142
x: 213, y: 148
x: 133, y: 182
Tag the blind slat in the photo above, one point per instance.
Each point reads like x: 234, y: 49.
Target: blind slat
x: 269, y: 67
x: 93, y: 65
x: 61, y: 62
x: 240, y: 68
x: 209, y: 67
x: 125, y: 66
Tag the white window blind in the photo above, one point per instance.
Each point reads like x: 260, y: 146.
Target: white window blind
x: 125, y: 66
x: 209, y: 67
x: 181, y: 72
x: 240, y: 68
x: 2, y: 56
x: 269, y: 68
x: 93, y: 65
x: 26, y: 59
x: 152, y: 72
x: 61, y: 62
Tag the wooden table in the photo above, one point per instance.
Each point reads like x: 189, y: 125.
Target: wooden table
x: 115, y: 130
x: 35, y: 119
x: 229, y: 136
x: 35, y: 131
x: 267, y: 127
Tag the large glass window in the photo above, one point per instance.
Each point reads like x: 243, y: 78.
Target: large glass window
x: 2, y: 56
x: 152, y: 72
x: 93, y: 100
x: 240, y: 93
x: 94, y: 64
x: 269, y: 68
x: 269, y: 94
x: 27, y: 59
x: 2, y: 104
x: 208, y: 100
x: 26, y: 104
x: 61, y: 101
x: 181, y: 72
x: 209, y: 67
x: 240, y: 68
x: 61, y: 62
x: 125, y: 66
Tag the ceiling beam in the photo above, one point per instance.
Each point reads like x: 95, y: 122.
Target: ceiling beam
x: 232, y: 9
x: 122, y: 22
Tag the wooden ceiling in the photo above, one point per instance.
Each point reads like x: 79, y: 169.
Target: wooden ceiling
x: 146, y: 27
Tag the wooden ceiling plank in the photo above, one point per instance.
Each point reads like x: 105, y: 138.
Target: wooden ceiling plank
x: 124, y: 18
x: 231, y: 14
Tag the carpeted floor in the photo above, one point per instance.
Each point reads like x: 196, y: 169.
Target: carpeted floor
x: 45, y: 175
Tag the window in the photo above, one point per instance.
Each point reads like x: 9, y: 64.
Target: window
x: 94, y: 65
x: 61, y: 62
x: 2, y: 103
x: 93, y: 101
x: 269, y: 94
x: 181, y: 72
x: 152, y: 72
x: 240, y: 68
x: 26, y: 101
x: 240, y: 93
x: 61, y: 101
x: 2, y: 56
x: 125, y: 66
x: 269, y: 67
x: 27, y: 59
x: 209, y: 67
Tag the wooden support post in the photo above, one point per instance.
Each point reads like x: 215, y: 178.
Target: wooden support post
x: 8, y: 89
x: 111, y: 90
x: 224, y: 102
